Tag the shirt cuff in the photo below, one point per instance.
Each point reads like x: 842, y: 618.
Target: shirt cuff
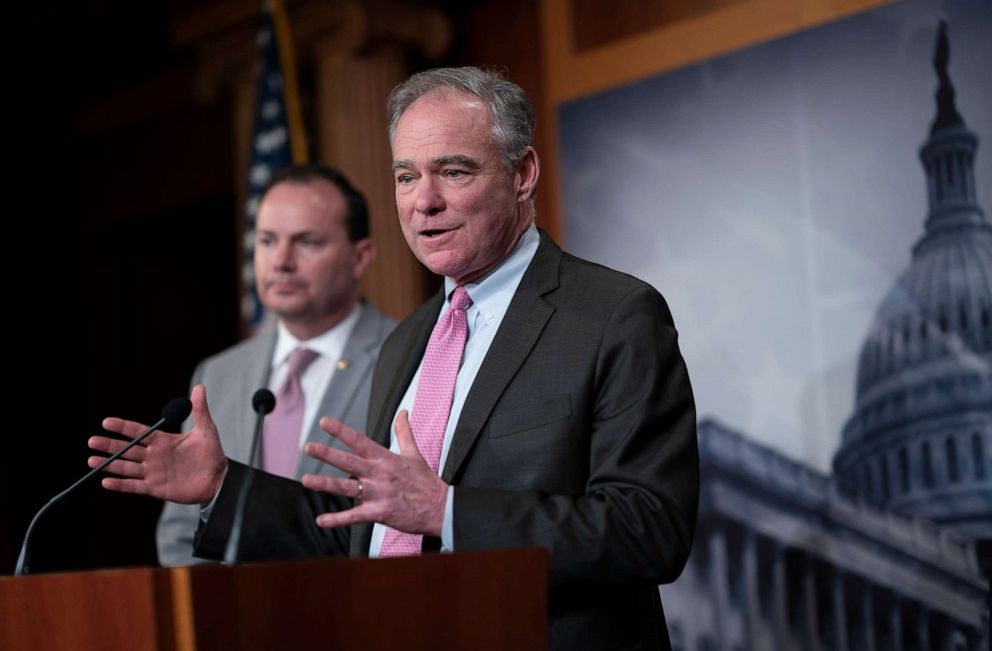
x: 448, y: 527
x: 206, y: 509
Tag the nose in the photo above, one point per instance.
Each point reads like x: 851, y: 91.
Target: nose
x: 429, y: 200
x: 283, y: 256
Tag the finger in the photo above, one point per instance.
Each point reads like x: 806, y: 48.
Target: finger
x: 404, y: 436
x: 359, y: 514
x: 101, y: 443
x: 344, y: 486
x: 136, y: 486
x: 201, y: 412
x: 136, y: 453
x: 128, y: 428
x: 350, y: 463
x: 112, y: 446
x: 119, y: 467
x: 356, y: 441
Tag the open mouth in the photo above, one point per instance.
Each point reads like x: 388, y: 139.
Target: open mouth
x: 435, y: 232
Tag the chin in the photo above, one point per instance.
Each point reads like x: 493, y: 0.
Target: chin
x: 442, y: 264
x: 447, y: 272
x: 284, y: 311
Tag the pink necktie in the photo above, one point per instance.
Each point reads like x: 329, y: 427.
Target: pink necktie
x: 432, y: 404
x: 281, y: 436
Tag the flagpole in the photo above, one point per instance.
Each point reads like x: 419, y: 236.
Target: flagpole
x: 287, y: 59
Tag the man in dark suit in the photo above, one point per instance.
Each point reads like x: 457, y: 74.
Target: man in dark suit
x: 571, y: 423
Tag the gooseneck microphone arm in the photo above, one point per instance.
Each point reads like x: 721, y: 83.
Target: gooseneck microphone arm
x: 173, y: 413
x: 263, y: 402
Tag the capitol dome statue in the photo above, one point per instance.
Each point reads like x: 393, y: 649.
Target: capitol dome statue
x: 920, y: 438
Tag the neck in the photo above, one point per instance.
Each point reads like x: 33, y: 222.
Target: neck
x: 307, y: 328
x: 480, y: 273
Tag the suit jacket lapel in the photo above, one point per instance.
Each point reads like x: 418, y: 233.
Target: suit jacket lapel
x: 525, y: 319
x: 359, y: 350
x: 256, y: 376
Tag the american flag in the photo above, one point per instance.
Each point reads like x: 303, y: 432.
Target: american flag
x: 277, y: 138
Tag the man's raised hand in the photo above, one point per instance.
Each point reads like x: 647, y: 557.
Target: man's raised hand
x: 398, y: 490
x: 187, y: 468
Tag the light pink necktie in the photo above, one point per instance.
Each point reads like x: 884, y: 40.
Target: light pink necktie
x: 432, y: 404
x: 281, y: 436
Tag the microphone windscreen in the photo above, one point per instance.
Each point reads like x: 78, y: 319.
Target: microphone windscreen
x: 263, y: 401
x: 177, y: 411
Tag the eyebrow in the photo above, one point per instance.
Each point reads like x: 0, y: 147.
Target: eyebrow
x: 463, y: 161
x: 292, y: 236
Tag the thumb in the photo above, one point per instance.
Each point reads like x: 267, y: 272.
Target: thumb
x: 404, y: 436
x: 201, y: 412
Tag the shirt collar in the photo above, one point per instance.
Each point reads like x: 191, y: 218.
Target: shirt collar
x: 497, y: 287
x: 329, y: 343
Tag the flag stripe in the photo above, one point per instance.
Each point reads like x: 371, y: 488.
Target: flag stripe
x: 277, y: 139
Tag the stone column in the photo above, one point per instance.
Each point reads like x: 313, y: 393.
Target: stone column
x: 811, y: 617
x: 359, y: 52
x: 718, y: 585
x: 350, y: 92
x: 868, y: 618
x: 895, y: 622
x: 840, y: 614
x: 923, y: 629
x: 752, y: 603
x: 780, y: 596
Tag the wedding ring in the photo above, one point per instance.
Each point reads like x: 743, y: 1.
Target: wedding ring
x: 361, y: 490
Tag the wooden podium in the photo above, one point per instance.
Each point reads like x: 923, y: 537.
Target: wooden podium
x: 478, y: 601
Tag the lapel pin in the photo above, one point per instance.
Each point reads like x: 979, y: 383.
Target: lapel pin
x: 343, y: 364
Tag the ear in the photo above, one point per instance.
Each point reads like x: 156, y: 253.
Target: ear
x: 363, y: 253
x: 528, y: 171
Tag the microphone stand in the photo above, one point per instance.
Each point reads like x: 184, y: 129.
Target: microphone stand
x: 263, y: 402
x: 175, y: 412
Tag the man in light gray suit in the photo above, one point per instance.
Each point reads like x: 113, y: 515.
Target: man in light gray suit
x: 312, y: 248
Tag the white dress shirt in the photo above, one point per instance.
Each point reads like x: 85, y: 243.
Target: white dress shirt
x: 317, y: 376
x: 491, y: 297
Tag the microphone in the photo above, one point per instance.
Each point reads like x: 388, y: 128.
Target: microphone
x: 173, y: 414
x: 263, y: 402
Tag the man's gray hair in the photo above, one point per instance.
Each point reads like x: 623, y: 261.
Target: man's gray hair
x: 513, y: 115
